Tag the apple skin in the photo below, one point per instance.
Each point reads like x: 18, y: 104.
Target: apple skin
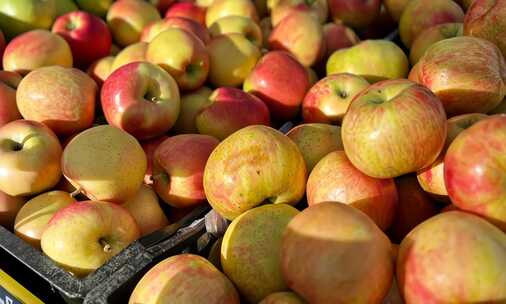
x: 478, y: 74
x: 188, y: 10
x: 95, y: 7
x: 250, y: 250
x: 318, y: 8
x: 474, y: 169
x: 316, y: 140
x: 232, y: 58
x: 222, y: 8
x: 9, y: 207
x: 155, y: 28
x: 463, y: 244
x: 178, y: 169
x: 268, y: 164
x: 354, y: 13
x: 162, y: 5
x: 30, y: 156
x: 149, y: 148
x: 419, y: 15
x: 338, y: 36
x: 330, y: 236
x: 191, y: 105
x: 275, y: 70
x: 238, y: 24
x: 328, y: 100
x: 132, y: 53
x: 9, y: 82
x: 21, y: 16
x: 105, y: 163
x: 335, y: 179
x: 367, y: 59
x: 395, y: 8
x: 283, y: 297
x: 142, y: 99
x: 80, y: 30
x: 83, y: 236
x: 34, y: 216
x: 61, y: 98
x: 35, y: 49
x: 184, y: 278
x: 383, y: 149
x: 301, y: 35
x: 500, y: 109
x: 188, y: 64
x: 228, y: 110
x: 2, y: 47
x: 65, y: 6
x: 432, y: 35
x: 146, y: 211
x: 101, y: 69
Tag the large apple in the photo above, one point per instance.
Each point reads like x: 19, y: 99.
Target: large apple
x: 394, y: 127
x: 132, y: 53
x: 188, y: 10
x: 62, y: 98
x: 338, y: 36
x: 475, y: 172
x: 21, y: 16
x: 328, y: 100
x: 188, y: 63
x: 283, y: 297
x: 105, y: 163
x: 469, y: 265
x: 80, y: 30
x: 222, y: 8
x: 96, y: 7
x: 184, y: 278
x: 101, y: 69
x: 333, y: 253
x: 155, y: 28
x: 30, y: 156
x: 238, y: 24
x: 83, y: 236
x: 477, y: 71
x: 375, y: 60
x: 9, y: 207
x: 268, y: 165
x: 355, y: 13
x: 9, y: 82
x: 318, y: 8
x: 191, y: 104
x: 228, y: 110
x: 232, y: 58
x: 281, y: 82
x: 432, y: 35
x: 142, y: 99
x: 178, y: 169
x: 35, y: 49
x: 34, y: 216
x: 127, y: 19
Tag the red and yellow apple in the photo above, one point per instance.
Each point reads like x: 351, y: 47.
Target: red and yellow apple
x: 432, y: 35
x: 188, y: 10
x: 9, y: 82
x: 338, y: 36
x: 149, y: 148
x: 238, y: 24
x: 318, y: 8
x: 191, y: 105
x: 223, y: 8
x: 101, y: 69
x: 154, y: 28
x: 132, y: 53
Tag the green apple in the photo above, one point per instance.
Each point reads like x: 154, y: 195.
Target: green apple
x: 222, y: 8
x: 65, y: 6
x: 19, y: 16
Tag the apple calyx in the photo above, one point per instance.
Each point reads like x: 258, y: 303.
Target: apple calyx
x: 105, y: 245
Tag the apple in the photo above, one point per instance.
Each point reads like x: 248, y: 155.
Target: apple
x: 95, y: 7
x: 335, y: 179
x: 105, y: 163
x: 281, y: 82
x: 334, y: 253
x: 414, y: 206
x: 149, y: 148
x: 132, y: 53
x: 432, y: 35
x: 101, y: 69
x: 315, y: 141
x: 9, y: 82
x: 30, y: 156
x: 35, y: 49
x: 368, y: 59
x: 222, y: 8
x: 2, y: 46
x: 232, y: 58
x: 500, y: 109
x: 83, y: 236
x: 354, y: 13
x: 188, y: 10
x: 318, y: 8
x: 9, y: 207
x: 228, y: 110
x: 146, y: 211
x: 127, y: 19
x: 283, y: 297
x: 34, y: 216
x: 268, y: 165
x: 155, y: 28
x: 300, y: 34
x: 250, y: 250
x: 394, y: 127
x: 419, y: 15
x: 474, y: 169
x: 142, y: 99
x: 476, y: 68
x: 191, y: 104
x: 80, y: 30
x: 184, y: 278
x: 65, y: 6
x: 162, y: 5
x: 21, y: 16
x: 395, y: 8
x: 238, y: 24
x: 328, y: 100
x: 338, y: 36
x: 469, y: 264
x: 188, y: 63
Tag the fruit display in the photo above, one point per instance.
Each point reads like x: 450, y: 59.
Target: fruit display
x: 254, y: 151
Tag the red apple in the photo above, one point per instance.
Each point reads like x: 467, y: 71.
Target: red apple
x: 354, y: 13
x: 155, y: 28
x: 149, y: 148
x: 187, y: 10
x: 9, y: 82
x: 432, y: 35
x: 142, y: 99
x: 338, y: 36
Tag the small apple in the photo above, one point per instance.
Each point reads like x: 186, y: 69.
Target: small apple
x: 155, y: 28
x: 222, y: 8
x: 283, y: 297
x: 354, y: 13
x: 101, y: 69
x: 188, y: 10
x: 9, y: 208
x: 191, y: 105
x: 238, y: 24
x: 395, y: 8
x: 9, y: 82
x: 338, y: 36
x: 149, y: 148
x: 432, y: 35
x: 95, y: 7
x: 21, y: 16
x: 132, y: 53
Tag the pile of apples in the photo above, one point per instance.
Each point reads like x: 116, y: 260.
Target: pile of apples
x: 110, y: 115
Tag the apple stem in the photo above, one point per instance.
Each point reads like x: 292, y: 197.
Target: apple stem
x: 107, y: 247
